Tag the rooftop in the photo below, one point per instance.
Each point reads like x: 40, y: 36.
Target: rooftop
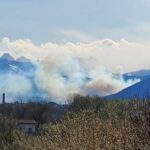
x: 27, y: 122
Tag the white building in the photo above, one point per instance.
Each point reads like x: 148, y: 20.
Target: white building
x: 27, y: 126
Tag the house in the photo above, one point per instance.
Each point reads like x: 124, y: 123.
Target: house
x: 27, y: 126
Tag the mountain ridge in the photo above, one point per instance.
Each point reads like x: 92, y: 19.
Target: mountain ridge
x: 139, y: 90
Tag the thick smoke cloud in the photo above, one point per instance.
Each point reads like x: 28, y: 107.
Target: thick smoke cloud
x: 92, y: 68
x: 14, y: 85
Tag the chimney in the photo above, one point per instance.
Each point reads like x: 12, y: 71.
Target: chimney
x: 3, y: 98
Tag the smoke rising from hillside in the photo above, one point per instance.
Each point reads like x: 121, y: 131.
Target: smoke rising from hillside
x: 93, y: 68
x: 14, y: 85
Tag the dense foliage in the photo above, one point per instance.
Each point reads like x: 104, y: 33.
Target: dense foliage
x: 90, y: 123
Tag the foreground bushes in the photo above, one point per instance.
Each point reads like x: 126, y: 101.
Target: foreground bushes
x: 106, y: 125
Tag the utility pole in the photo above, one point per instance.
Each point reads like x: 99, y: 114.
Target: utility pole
x: 3, y: 104
x: 3, y: 98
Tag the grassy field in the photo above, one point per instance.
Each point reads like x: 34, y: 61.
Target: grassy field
x: 88, y: 124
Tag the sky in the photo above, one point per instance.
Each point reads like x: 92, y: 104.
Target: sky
x: 78, y: 39
x: 75, y: 20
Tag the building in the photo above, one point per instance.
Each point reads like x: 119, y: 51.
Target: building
x: 27, y: 126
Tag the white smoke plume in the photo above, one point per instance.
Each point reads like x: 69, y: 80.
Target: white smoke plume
x: 93, y: 68
x: 14, y: 85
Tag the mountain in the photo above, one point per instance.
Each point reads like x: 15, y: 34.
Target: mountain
x: 9, y: 65
x: 141, y: 74
x: 23, y: 67
x: 7, y: 56
x: 23, y: 59
x: 139, y: 90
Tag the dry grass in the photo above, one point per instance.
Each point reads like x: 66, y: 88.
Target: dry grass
x: 123, y: 129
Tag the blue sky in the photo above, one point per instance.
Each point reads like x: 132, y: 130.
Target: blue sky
x: 75, y: 20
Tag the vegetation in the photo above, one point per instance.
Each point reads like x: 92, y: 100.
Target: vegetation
x: 90, y: 123
x: 41, y: 112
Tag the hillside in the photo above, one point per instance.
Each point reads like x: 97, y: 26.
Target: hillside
x: 21, y: 67
x: 139, y: 90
